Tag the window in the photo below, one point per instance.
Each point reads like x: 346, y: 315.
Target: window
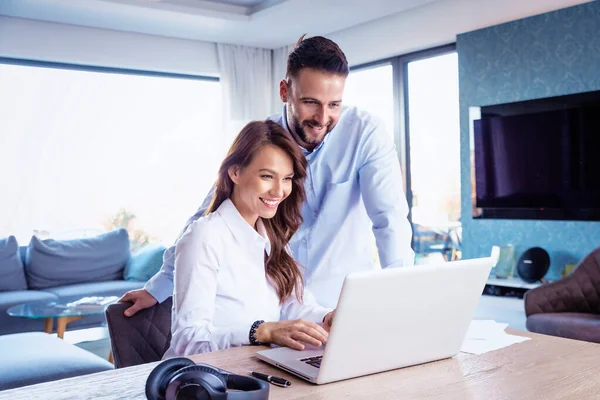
x: 82, y: 152
x: 434, y: 138
x: 371, y: 89
x: 421, y: 91
x: 434, y: 134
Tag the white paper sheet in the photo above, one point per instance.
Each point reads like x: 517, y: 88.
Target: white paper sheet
x: 488, y: 335
x: 485, y: 329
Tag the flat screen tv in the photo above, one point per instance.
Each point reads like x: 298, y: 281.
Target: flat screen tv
x: 538, y: 159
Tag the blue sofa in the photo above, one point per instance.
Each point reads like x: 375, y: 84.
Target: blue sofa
x: 48, y: 270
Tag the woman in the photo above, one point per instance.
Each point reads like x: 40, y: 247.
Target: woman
x: 233, y: 271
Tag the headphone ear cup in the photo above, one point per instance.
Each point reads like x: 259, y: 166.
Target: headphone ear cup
x: 159, y: 378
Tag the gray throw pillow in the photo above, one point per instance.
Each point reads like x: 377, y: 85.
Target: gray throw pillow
x: 51, y: 263
x: 12, y: 274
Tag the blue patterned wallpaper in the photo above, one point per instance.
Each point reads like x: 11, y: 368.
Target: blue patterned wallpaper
x: 546, y: 55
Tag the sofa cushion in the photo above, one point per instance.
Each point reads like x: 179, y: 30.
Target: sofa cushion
x: 51, y: 263
x: 12, y: 273
x: 144, y: 263
x: 110, y: 288
x: 10, y: 324
x: 35, y: 357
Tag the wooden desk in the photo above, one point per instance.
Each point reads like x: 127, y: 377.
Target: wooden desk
x: 542, y: 368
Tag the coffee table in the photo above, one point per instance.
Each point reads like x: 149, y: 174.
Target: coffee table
x: 51, y: 310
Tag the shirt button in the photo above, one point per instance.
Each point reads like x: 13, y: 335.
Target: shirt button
x: 304, y: 240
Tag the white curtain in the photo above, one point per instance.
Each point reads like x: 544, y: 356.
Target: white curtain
x: 280, y: 57
x: 246, y: 80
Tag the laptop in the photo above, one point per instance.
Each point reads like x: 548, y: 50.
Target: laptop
x: 392, y: 318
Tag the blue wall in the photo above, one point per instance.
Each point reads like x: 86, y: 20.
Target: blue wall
x: 546, y: 55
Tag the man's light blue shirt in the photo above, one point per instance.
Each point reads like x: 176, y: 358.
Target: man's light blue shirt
x: 353, y: 187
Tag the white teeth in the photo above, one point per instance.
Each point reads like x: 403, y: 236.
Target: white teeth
x: 269, y: 202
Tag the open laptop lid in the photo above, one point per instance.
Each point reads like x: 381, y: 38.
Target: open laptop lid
x: 388, y: 319
x: 393, y: 318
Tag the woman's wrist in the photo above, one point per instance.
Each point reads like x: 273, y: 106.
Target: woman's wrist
x: 263, y: 332
x: 252, y: 337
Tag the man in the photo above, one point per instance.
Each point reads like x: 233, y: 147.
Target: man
x: 353, y: 184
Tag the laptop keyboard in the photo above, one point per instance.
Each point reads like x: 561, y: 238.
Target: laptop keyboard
x: 314, y: 361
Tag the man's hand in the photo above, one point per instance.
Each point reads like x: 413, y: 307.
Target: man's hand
x: 140, y: 298
x: 293, y: 334
x: 328, y: 321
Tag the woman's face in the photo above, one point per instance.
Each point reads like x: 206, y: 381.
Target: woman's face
x: 263, y: 184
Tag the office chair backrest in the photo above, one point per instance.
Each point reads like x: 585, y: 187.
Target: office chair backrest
x: 142, y: 338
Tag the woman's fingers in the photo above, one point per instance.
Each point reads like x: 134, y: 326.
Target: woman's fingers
x: 304, y: 338
x: 294, y: 334
x: 316, y: 332
x: 320, y: 329
x: 292, y: 344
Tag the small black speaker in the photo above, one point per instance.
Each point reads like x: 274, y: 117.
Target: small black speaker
x: 533, y: 264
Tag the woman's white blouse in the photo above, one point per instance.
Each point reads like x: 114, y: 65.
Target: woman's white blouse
x: 221, y: 287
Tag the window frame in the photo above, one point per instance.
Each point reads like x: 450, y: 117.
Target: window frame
x: 401, y: 119
x: 107, y: 70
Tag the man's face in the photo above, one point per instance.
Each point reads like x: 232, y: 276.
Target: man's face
x: 314, y: 104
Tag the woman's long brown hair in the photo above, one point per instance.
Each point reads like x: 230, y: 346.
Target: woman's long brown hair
x: 280, y: 266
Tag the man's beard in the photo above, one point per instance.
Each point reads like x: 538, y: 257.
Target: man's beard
x: 299, y: 129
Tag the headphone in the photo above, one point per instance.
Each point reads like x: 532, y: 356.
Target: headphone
x: 182, y: 379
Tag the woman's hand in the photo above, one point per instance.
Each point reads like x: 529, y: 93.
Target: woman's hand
x: 293, y: 334
x: 328, y: 321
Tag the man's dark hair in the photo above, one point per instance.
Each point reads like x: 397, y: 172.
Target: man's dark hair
x: 318, y: 53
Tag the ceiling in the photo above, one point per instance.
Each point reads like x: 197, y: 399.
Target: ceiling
x: 259, y: 23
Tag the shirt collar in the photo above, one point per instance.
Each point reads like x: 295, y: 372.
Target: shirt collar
x: 240, y: 227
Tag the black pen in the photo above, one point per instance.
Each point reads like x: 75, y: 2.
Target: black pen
x: 271, y: 379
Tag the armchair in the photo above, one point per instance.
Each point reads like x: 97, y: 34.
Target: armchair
x: 569, y: 307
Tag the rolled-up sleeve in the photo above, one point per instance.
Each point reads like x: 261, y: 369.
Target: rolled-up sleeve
x: 196, y: 270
